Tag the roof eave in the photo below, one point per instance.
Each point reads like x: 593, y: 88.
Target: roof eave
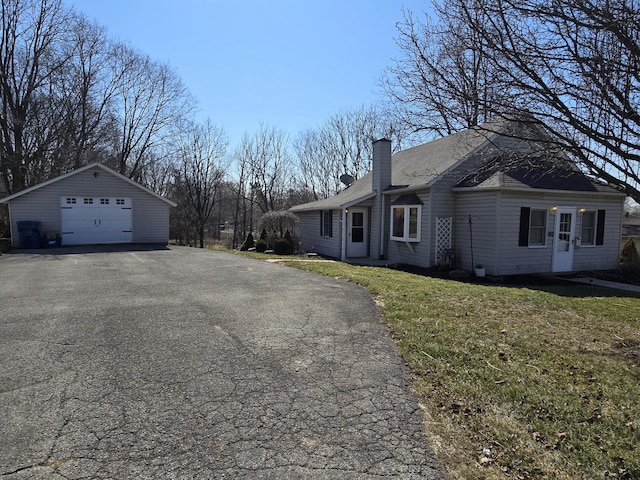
x: 409, y: 189
x: 314, y: 208
x: 536, y: 190
x: 80, y: 170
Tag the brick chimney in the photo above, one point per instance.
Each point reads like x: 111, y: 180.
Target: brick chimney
x: 381, y: 165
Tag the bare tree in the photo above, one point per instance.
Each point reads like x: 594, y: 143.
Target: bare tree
x: 201, y: 169
x: 319, y: 171
x: 574, y: 65
x: 241, y: 223
x: 341, y: 145
x: 443, y: 82
x: 30, y: 35
x: 86, y: 89
x: 270, y: 171
x: 149, y: 101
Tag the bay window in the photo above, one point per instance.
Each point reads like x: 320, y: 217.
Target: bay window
x: 405, y: 219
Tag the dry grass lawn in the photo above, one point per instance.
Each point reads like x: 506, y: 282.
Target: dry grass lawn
x: 521, y: 381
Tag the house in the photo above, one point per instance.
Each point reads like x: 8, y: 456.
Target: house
x: 498, y: 195
x: 90, y: 205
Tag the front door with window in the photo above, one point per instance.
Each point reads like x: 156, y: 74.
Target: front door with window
x: 564, y: 240
x: 357, y: 233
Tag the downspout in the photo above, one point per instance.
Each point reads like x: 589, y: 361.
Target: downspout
x: 343, y: 250
x: 381, y: 215
x: 16, y: 243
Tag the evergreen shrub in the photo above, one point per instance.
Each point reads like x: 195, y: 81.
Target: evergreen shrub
x: 248, y: 243
x: 630, y: 259
x: 261, y: 246
x: 282, y: 247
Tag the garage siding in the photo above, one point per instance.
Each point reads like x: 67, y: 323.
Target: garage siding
x: 150, y: 214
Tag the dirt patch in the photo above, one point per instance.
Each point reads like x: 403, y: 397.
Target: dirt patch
x: 629, y: 349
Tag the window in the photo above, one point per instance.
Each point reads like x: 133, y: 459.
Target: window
x: 88, y: 201
x: 71, y: 200
x: 588, y: 235
x: 533, y: 227
x: 405, y: 223
x: 537, y: 227
x: 592, y: 228
x: 104, y: 201
x: 326, y: 223
x: 406, y: 213
x: 120, y: 201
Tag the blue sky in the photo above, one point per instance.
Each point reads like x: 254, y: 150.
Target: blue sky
x: 287, y: 63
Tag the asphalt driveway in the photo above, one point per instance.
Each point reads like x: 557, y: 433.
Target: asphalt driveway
x: 183, y: 363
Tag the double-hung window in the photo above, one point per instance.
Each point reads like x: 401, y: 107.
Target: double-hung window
x: 592, y: 228
x: 588, y: 234
x: 406, y: 214
x: 326, y: 223
x: 533, y: 227
x: 537, y: 228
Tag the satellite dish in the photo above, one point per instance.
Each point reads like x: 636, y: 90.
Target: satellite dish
x: 346, y: 179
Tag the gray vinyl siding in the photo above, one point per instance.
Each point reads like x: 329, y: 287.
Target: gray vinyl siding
x: 496, y: 224
x: 445, y: 203
x: 150, y: 219
x: 607, y: 255
x: 442, y: 205
x: 512, y: 259
x: 308, y: 232
x: 481, y: 234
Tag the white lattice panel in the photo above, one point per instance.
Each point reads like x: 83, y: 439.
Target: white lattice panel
x: 444, y: 234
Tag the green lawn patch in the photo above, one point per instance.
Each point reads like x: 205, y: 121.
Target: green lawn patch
x: 517, y: 381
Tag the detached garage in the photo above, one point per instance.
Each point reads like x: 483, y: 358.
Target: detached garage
x: 91, y: 205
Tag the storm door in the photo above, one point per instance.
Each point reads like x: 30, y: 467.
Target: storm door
x: 564, y: 240
x: 357, y: 234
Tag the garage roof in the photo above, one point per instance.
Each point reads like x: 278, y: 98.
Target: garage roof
x: 83, y: 169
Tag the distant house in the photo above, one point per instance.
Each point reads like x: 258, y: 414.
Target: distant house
x: 91, y: 205
x: 631, y: 227
x: 497, y: 195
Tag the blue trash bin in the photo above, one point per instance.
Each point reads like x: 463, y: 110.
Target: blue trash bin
x: 29, y: 234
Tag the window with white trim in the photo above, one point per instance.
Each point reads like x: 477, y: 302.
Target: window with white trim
x: 537, y: 228
x: 588, y: 234
x: 405, y: 223
x: 533, y: 227
x: 592, y: 229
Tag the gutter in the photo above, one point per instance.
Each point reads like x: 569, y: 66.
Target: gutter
x: 536, y: 190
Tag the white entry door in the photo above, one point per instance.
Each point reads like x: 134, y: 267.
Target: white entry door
x: 357, y: 233
x: 564, y: 240
x: 95, y: 220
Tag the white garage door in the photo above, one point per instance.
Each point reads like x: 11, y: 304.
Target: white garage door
x: 94, y: 220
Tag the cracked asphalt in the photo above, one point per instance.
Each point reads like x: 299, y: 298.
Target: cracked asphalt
x: 184, y: 363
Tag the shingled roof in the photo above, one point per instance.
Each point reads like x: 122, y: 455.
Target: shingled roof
x: 554, y: 173
x: 416, y: 166
x: 531, y: 163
